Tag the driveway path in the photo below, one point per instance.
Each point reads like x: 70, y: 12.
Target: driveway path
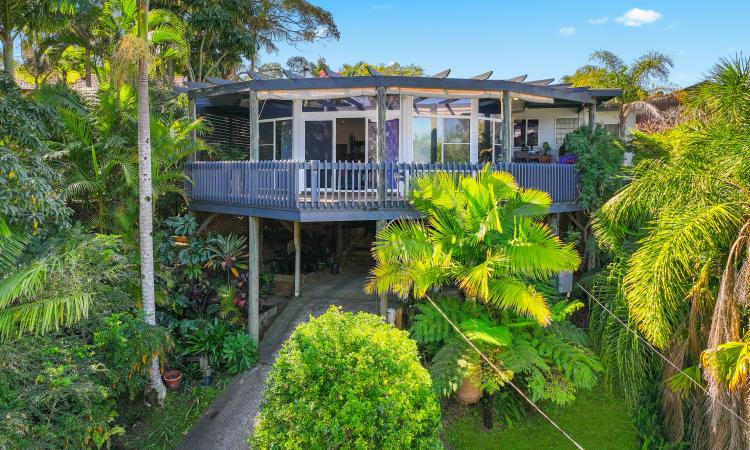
x: 229, y: 420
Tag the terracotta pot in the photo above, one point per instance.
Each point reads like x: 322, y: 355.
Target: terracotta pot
x: 470, y: 391
x: 172, y: 378
x: 180, y: 240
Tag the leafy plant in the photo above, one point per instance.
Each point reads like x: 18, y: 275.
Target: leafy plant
x: 228, y: 254
x: 55, y: 289
x: 127, y: 345
x: 361, y: 378
x: 182, y: 225
x: 239, y: 352
x: 483, y: 234
x: 208, y: 341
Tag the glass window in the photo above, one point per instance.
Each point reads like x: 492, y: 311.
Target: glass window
x: 456, y: 140
x: 265, y: 140
x: 485, y: 141
x: 519, y: 133
x: 425, y: 132
x: 283, y: 139
x: 532, y: 132
x: 563, y: 126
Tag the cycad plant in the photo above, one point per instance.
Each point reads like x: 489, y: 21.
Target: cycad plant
x: 679, y: 231
x: 482, y: 234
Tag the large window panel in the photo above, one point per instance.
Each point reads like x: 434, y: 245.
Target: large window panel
x: 532, y: 132
x: 456, y: 140
x: 265, y: 140
x: 563, y: 126
x: 485, y: 141
x: 519, y: 133
x: 283, y: 139
x: 425, y: 132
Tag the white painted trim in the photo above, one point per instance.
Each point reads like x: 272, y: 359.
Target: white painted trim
x: 406, y: 137
x: 474, y: 131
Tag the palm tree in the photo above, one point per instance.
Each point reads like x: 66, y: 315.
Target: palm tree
x: 680, y: 233
x: 483, y: 234
x: 636, y: 80
x: 145, y: 193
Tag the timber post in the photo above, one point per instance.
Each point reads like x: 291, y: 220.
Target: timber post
x: 253, y: 249
x: 507, y: 126
x: 297, y: 258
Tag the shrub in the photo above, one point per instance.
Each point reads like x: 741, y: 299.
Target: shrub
x: 126, y: 345
x: 239, y: 352
x: 348, y: 381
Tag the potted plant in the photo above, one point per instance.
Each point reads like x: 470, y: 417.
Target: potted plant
x: 266, y: 283
x: 546, y: 148
x: 173, y: 379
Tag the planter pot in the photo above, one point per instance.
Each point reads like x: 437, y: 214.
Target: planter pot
x: 570, y: 158
x: 180, y: 240
x: 470, y: 391
x: 172, y: 378
x: 208, y: 380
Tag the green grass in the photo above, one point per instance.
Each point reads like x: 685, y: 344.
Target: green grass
x: 596, y: 420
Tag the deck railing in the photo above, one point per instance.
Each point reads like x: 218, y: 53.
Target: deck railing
x: 319, y: 185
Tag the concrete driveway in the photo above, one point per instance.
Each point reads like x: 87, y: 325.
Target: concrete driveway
x: 229, y: 420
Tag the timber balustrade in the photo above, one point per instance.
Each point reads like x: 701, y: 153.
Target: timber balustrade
x: 320, y: 185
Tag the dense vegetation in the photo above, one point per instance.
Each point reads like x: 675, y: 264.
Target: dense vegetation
x: 665, y: 248
x: 678, y: 237
x: 346, y: 380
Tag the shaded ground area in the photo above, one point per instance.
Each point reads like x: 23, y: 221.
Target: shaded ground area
x: 229, y: 420
x: 596, y: 420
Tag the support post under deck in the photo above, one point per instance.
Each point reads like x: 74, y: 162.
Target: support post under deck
x: 253, y: 280
x: 507, y: 126
x: 297, y: 258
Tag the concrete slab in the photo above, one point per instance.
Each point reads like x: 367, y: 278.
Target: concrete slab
x: 228, y: 422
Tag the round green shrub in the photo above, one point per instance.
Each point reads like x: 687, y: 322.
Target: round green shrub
x: 346, y: 380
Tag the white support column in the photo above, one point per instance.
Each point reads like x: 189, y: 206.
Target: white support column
x: 297, y: 258
x: 406, y: 146
x: 507, y: 126
x: 298, y: 142
x: 592, y: 116
x: 474, y: 131
x: 253, y: 280
x: 382, y: 298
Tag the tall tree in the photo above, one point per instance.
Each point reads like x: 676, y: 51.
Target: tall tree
x: 145, y: 192
x: 15, y: 17
x: 637, y: 80
x: 679, y: 231
x: 360, y: 69
x: 223, y: 33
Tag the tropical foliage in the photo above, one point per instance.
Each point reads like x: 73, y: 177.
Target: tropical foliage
x: 679, y: 235
x: 483, y: 234
x: 637, y: 80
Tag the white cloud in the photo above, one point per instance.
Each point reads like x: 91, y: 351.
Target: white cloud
x: 567, y: 31
x: 599, y: 21
x: 637, y: 17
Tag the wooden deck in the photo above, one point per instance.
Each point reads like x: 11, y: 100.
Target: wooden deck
x: 312, y: 191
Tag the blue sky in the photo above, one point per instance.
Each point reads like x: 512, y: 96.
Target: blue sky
x: 541, y: 38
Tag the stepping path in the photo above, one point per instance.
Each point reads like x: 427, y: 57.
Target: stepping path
x: 228, y: 422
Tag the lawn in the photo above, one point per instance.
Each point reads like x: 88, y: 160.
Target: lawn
x: 595, y: 420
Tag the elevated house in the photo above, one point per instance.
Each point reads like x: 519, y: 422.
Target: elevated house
x: 339, y: 149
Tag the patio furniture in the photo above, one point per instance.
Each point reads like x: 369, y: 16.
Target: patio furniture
x: 521, y: 156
